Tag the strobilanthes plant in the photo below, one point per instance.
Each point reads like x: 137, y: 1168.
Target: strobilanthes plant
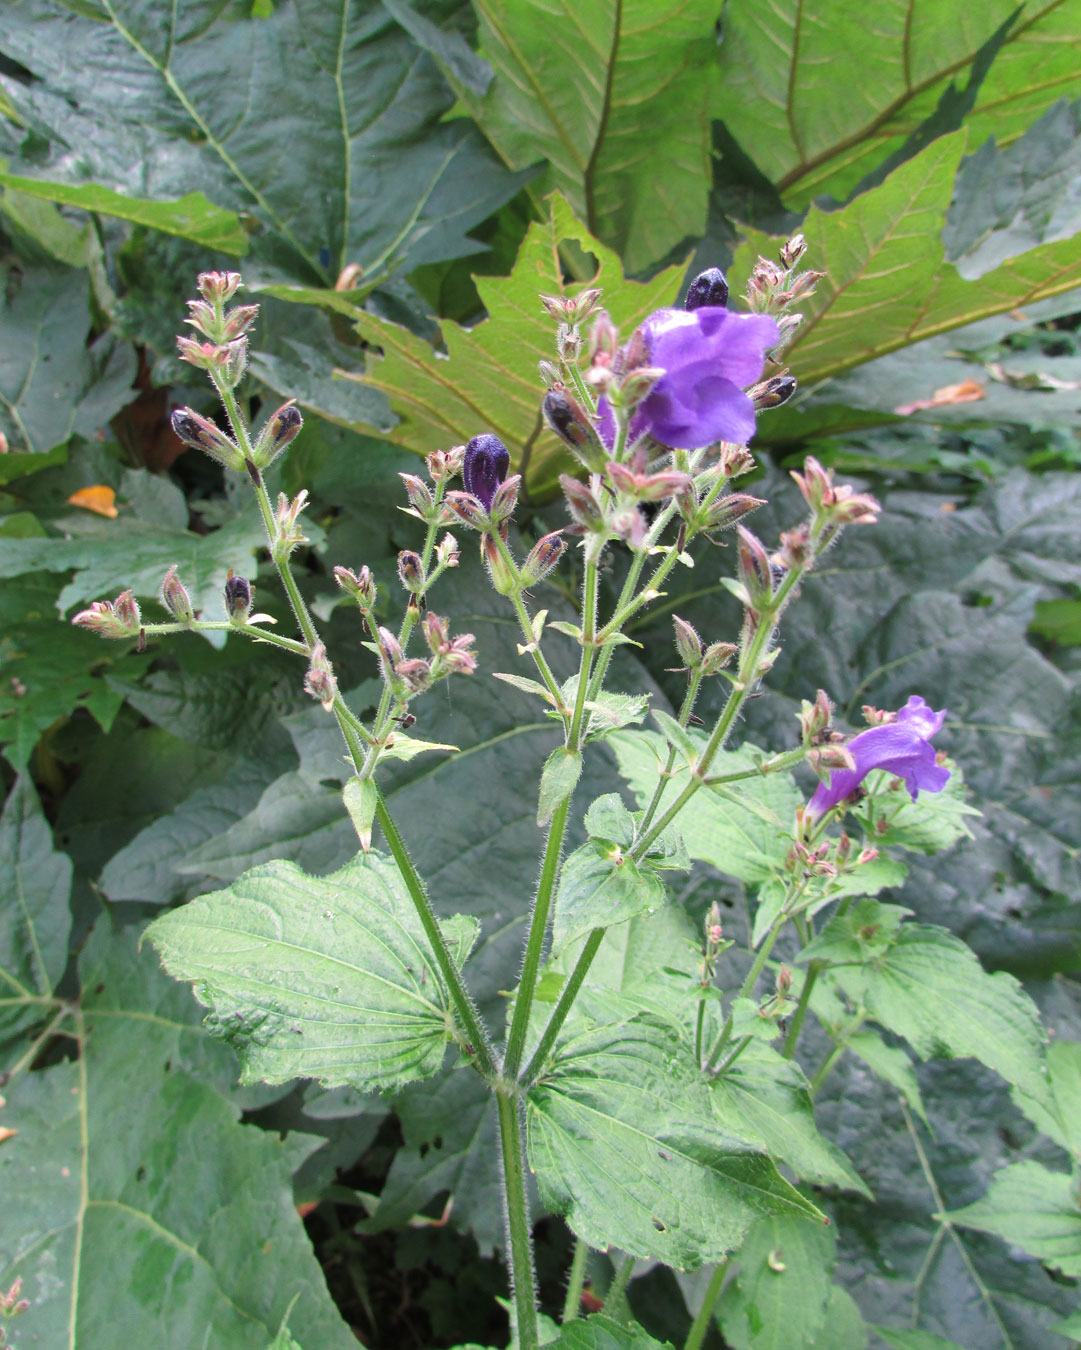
x: 622, y: 1105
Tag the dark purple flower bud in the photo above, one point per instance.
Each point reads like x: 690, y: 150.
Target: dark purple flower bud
x: 237, y: 596
x: 773, y: 392
x: 201, y: 434
x: 486, y: 463
x: 708, y: 288
x: 411, y: 571
x: 901, y: 747
x: 282, y: 427
x: 567, y: 419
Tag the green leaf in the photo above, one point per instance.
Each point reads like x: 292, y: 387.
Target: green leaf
x: 746, y: 833
x: 878, y: 258
x: 49, y: 669
x: 570, y: 92
x: 765, y: 1098
x: 54, y: 382
x: 360, y: 167
x: 129, y: 1171
x: 326, y: 978
x: 192, y: 216
x: 604, y: 1333
x: 779, y: 1297
x: 1060, y: 1118
x: 1034, y: 1209
x: 843, y: 1326
x: 819, y: 101
x: 932, y: 823
x: 360, y: 797
x: 599, y: 887
x: 111, y: 555
x: 863, y: 933
x: 931, y: 989
x: 559, y: 777
x: 486, y: 377
x: 624, y: 1146
x: 1071, y: 1327
x: 35, y: 921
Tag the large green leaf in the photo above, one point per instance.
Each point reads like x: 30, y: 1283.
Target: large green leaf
x: 487, y: 381
x: 132, y: 1191
x: 930, y: 988
x: 597, y: 890
x: 887, y: 284
x: 53, y: 381
x: 320, y: 123
x: 325, y: 978
x: 35, y: 921
x: 192, y: 217
x: 819, y: 97
x: 1033, y: 1208
x: 602, y: 1333
x: 1061, y: 1117
x: 778, y: 1301
x: 569, y: 87
x: 625, y: 1147
x: 745, y: 832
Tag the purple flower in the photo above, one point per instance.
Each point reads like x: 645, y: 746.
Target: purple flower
x: 709, y: 356
x: 484, y: 468
x: 901, y: 747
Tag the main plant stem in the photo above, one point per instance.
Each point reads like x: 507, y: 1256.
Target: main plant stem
x: 519, y: 1238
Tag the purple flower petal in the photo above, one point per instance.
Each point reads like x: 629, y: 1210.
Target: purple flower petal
x: 902, y: 747
x: 484, y: 467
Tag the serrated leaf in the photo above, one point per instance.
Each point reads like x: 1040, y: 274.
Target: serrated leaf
x: 35, y: 883
x: 1035, y: 1209
x: 327, y: 978
x: 569, y: 92
x: 599, y: 887
x: 559, y: 777
x: 131, y: 1172
x: 764, y: 1097
x: 862, y: 933
x: 843, y: 1326
x: 931, y: 989
x: 360, y: 797
x: 624, y: 1146
x: 746, y: 833
x: 820, y: 100
x: 191, y: 217
x: 931, y: 824
x: 778, y: 1300
x: 878, y: 259
x: 486, y: 379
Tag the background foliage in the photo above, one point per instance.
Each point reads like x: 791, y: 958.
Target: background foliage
x: 397, y: 182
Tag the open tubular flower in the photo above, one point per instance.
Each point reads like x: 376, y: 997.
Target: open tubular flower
x: 485, y: 467
x: 902, y: 747
x: 709, y: 356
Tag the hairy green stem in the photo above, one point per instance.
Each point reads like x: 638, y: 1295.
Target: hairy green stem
x: 575, y: 1281
x: 825, y: 1069
x: 796, y: 1025
x: 519, y: 1238
x: 685, y: 710
x: 701, y: 1323
x: 615, y: 1300
x: 562, y: 1009
x: 725, y: 1034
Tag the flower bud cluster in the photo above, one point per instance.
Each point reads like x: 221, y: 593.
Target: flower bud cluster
x: 409, y: 676
x: 775, y: 287
x: 715, y: 944
x: 696, y: 657
x: 833, y: 506
x: 119, y: 618
x: 287, y: 532
x: 360, y: 585
x: 319, y: 680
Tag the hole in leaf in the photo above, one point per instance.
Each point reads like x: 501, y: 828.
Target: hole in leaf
x: 660, y: 1227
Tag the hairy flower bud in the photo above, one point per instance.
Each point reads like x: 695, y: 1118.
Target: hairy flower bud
x: 279, y: 431
x: 217, y: 287
x: 415, y: 674
x: 566, y: 417
x: 503, y: 574
x: 688, y: 643
x: 792, y: 250
x: 484, y: 467
x: 411, y: 571
x: 287, y: 532
x: 319, y: 680
x: 237, y: 597
x: 772, y: 393
x: 505, y: 499
x: 446, y: 551
x: 239, y: 320
x: 360, y: 585
x: 444, y: 464
x: 583, y: 502
x: 543, y: 557
x: 815, y: 718
x: 390, y: 649
x: 708, y: 288
x: 201, y: 434
x: 755, y: 571
x: 716, y: 656
x: 421, y: 501
x: 175, y: 598
x: 117, y: 618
